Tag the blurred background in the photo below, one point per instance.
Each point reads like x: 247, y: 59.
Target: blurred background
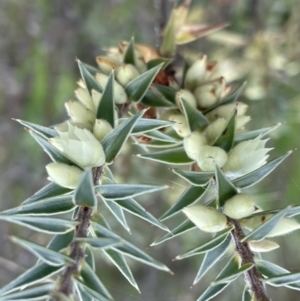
x: 39, y: 41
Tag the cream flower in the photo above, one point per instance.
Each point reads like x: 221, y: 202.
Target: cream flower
x: 209, y: 156
x: 81, y: 146
x: 239, y: 206
x: 193, y: 143
x: 246, y: 156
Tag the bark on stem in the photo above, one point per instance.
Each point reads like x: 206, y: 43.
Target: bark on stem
x: 77, y: 253
x: 253, y: 276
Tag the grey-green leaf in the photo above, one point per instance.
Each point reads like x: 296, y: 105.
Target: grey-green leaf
x: 145, y: 125
x: 129, y: 55
x: 211, y: 258
x: 84, y: 194
x: 264, y: 229
x: 106, y: 108
x: 88, y: 78
x: 168, y: 92
x: 176, y: 156
x: 48, y: 206
x: 246, y: 294
x: 119, y: 261
x: 101, y: 243
x: 193, y: 177
x: 48, y: 256
x: 225, y: 188
x: 60, y: 241
x: 190, y: 196
x: 196, y: 120
x: 153, y: 99
x: 138, y: 87
x: 114, y: 141
x: 160, y: 136
x: 283, y: 280
x: 259, y: 174
x: 42, y: 224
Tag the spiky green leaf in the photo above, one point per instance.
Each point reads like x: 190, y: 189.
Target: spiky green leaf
x: 283, y: 280
x: 157, y: 61
x: 160, y: 136
x: 193, y: 177
x: 145, y: 125
x: 168, y: 92
x: 102, y: 243
x: 60, y: 241
x: 129, y: 55
x: 153, y: 99
x: 246, y: 294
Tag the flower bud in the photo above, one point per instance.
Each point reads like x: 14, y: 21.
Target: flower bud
x: 85, y: 98
x: 64, y: 175
x: 215, y: 129
x: 81, y: 146
x: 196, y: 73
x: 240, y: 121
x: 181, y: 126
x: 225, y: 111
x: 263, y: 245
x: 284, y: 226
x: 206, y: 96
x: 207, y: 219
x: 79, y: 113
x: 101, y: 129
x: 209, y: 156
x: 125, y: 74
x: 246, y: 157
x: 187, y: 96
x: 107, y: 64
x: 239, y: 206
x: 193, y: 143
x: 120, y: 96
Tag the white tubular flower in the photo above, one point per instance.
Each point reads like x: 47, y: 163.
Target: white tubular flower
x: 209, y: 156
x: 207, y: 219
x: 120, y: 96
x: 196, y: 73
x: 79, y: 113
x: 239, y: 206
x: 206, y: 96
x: 284, y: 226
x: 215, y: 129
x: 193, y: 143
x: 246, y: 156
x: 101, y: 129
x: 125, y: 74
x: 263, y: 246
x: 81, y: 146
x: 225, y: 111
x: 107, y: 64
x: 84, y: 97
x: 181, y: 126
x: 64, y: 175
x: 187, y: 96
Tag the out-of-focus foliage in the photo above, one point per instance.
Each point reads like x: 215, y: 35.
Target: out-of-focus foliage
x: 38, y: 42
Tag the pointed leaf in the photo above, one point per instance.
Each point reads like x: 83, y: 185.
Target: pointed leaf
x: 187, y: 225
x: 88, y: 78
x: 89, y: 257
x: 225, y: 188
x: 52, y: 152
x: 154, y: 100
x: 193, y: 177
x: 49, y: 206
x: 106, y: 108
x: 114, y: 141
x: 119, y: 261
x: 118, y: 213
x: 124, y: 191
x: 226, y: 138
x: 60, y: 241
x: 50, y: 190
x: 157, y: 61
x: 42, y: 224
x: 210, y: 245
x: 174, y: 156
x: 138, y: 87
x: 196, y: 120
x: 34, y: 275
x: 84, y: 194
x: 283, y: 280
x: 258, y: 174
x: 168, y: 92
x: 39, y: 129
x: 190, y: 196
x: 160, y: 136
x: 264, y: 229
x: 254, y: 134
x: 90, y: 293
x: 246, y: 294
x: 91, y: 280
x: 129, y: 55
x: 211, y: 258
x: 159, y: 144
x: 168, y: 45
x: 48, y: 256
x: 82, y: 293
x: 31, y: 294
x: 102, y: 243
x: 145, y: 125
x: 131, y: 206
x: 90, y: 68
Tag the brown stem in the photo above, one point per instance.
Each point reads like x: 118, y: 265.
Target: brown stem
x: 77, y: 250
x: 252, y: 276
